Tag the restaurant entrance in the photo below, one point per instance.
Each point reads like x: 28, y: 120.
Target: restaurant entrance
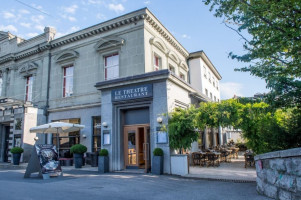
x: 137, y: 147
x: 4, y: 143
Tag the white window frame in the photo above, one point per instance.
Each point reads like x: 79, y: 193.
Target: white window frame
x: 209, y: 77
x: 205, y: 71
x: 114, y: 67
x: 28, y: 88
x: 65, y: 78
x: 172, y: 68
x: 159, y: 66
x: 1, y: 83
x: 182, y: 76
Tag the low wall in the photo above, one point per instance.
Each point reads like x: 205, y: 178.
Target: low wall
x: 179, y: 164
x: 279, y: 174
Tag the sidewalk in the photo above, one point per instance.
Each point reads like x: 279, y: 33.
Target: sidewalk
x: 233, y: 171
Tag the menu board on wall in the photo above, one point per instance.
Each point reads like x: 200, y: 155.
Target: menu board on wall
x: 48, y: 158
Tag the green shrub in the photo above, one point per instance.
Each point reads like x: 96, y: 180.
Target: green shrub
x: 158, y: 152
x: 78, y: 148
x: 15, y: 150
x: 103, y: 152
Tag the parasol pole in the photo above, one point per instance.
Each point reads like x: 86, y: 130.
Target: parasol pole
x: 57, y: 143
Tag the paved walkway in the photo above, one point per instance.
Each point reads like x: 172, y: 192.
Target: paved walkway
x: 234, y: 171
x: 83, y: 184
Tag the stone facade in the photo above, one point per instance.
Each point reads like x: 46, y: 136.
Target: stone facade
x: 138, y: 38
x: 279, y: 174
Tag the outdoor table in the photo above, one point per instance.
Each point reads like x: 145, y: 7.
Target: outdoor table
x: 225, y: 154
x: 235, y: 153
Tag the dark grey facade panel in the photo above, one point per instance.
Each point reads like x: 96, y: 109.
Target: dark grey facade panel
x: 136, y: 116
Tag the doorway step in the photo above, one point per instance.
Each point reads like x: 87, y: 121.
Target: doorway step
x: 131, y: 171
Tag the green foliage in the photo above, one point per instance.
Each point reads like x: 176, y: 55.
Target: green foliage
x: 273, y: 50
x: 78, y: 148
x: 158, y: 152
x: 264, y: 128
x: 103, y: 152
x: 181, y: 128
x: 213, y: 114
x: 16, y: 150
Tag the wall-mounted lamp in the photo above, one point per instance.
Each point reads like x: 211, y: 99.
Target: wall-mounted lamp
x: 84, y: 136
x: 159, y: 120
x: 105, y: 124
x: 35, y: 138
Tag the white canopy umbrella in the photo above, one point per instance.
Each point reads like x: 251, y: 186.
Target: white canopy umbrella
x: 58, y: 128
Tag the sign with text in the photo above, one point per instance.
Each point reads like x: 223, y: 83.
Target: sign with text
x: 48, y: 158
x: 133, y: 92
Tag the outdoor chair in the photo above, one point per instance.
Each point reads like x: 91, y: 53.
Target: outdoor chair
x: 212, y: 160
x: 249, y: 159
x: 196, y: 158
x: 234, y: 153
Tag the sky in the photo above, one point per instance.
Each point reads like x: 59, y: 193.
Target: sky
x: 191, y: 23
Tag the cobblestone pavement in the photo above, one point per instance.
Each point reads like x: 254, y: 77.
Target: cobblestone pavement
x: 86, y: 185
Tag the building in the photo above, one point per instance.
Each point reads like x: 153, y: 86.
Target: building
x: 117, y: 78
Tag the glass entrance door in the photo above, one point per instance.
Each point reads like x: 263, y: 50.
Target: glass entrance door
x: 136, y: 147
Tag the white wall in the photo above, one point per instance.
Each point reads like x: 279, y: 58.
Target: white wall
x: 200, y: 82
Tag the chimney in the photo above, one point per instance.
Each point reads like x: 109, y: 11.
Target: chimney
x: 49, y: 33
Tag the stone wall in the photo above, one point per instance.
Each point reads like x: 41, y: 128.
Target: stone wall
x: 279, y: 174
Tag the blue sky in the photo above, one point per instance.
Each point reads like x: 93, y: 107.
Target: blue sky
x: 189, y: 21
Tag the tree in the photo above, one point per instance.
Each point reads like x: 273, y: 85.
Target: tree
x: 274, y: 50
x: 181, y: 128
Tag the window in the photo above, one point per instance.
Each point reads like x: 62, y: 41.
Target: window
x: 216, y: 85
x: 1, y: 84
x: 209, y: 77
x: 96, y: 134
x: 228, y: 135
x: 205, y: 71
x: 211, y: 96
x: 182, y: 76
x: 172, y: 69
x: 29, y: 82
x: 66, y: 140
x: 217, y: 100
x: 206, y: 91
x: 157, y: 62
x: 111, y: 66
x: 68, y: 81
x: 214, y: 98
x: 213, y: 81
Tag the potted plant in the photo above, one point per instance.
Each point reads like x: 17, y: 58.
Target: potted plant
x: 78, y: 150
x: 103, y: 161
x: 182, y: 133
x: 157, y: 167
x: 16, y: 151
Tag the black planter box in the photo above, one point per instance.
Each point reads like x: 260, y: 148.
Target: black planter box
x: 157, y: 167
x: 16, y: 158
x: 103, y: 164
x: 78, y: 160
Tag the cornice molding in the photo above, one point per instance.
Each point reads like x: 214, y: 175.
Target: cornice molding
x: 28, y: 68
x: 66, y: 55
x: 167, y: 36
x: 97, y: 29
x: 110, y: 42
x: 102, y: 28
